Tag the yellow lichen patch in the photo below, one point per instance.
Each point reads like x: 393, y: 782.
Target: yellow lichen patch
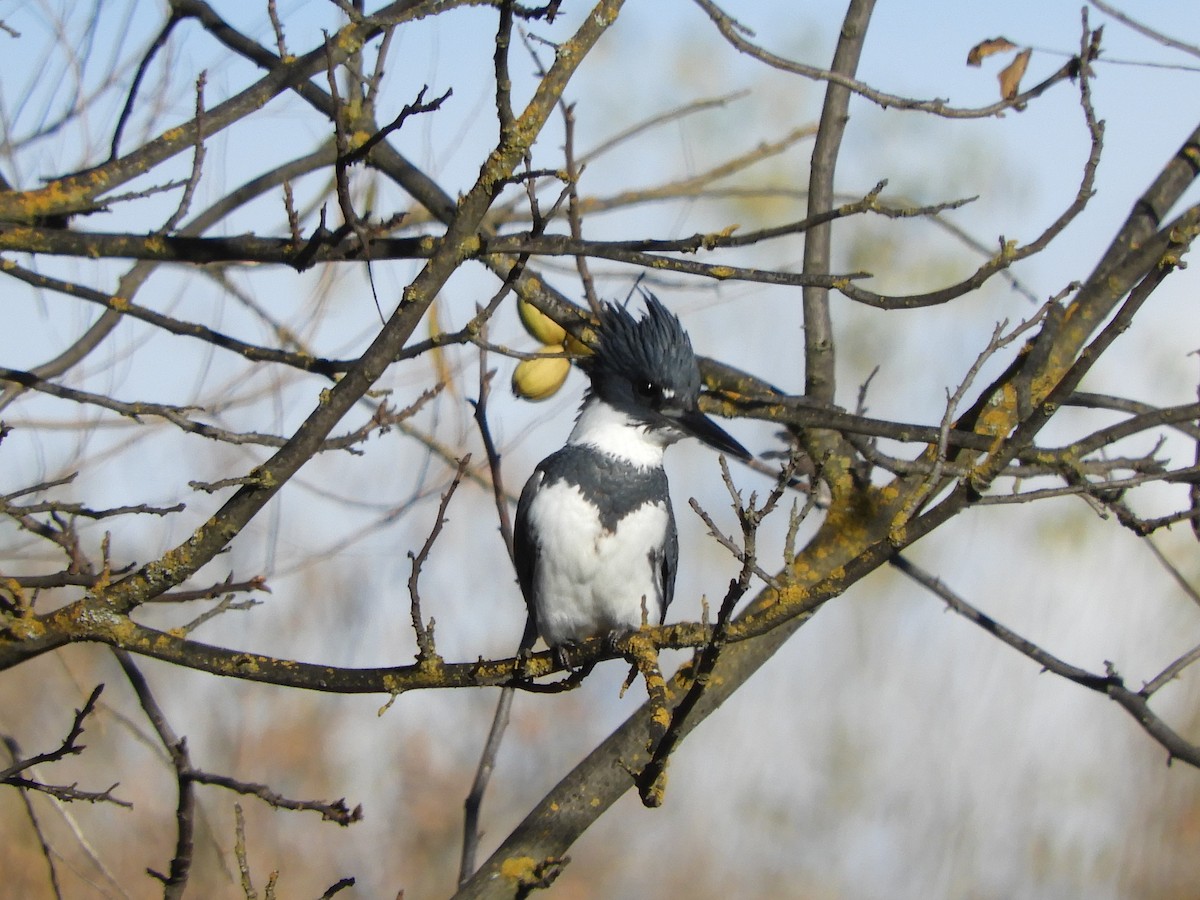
x: 889, y: 494
x: 521, y: 869
x: 469, y: 246
x: 997, y: 416
x: 14, y: 589
x: 1183, y: 234
x: 18, y: 238
x: 348, y: 40
x: 25, y: 629
x: 123, y: 631
x: 391, y: 683
x: 722, y: 272
x: 54, y: 197
x: 248, y: 663
x: 804, y: 572
x: 794, y: 594
x: 263, y: 478
x: 661, y: 717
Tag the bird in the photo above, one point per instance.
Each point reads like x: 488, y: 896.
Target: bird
x: 594, y: 541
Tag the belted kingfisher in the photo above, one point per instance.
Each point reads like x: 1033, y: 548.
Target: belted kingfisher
x: 595, y: 544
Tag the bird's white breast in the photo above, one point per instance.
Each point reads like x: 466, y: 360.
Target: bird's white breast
x: 590, y: 581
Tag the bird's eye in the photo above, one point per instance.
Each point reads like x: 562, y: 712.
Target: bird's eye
x: 647, y: 390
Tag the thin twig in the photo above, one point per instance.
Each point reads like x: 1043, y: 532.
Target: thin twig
x: 239, y: 853
x: 277, y: 27
x: 1165, y: 39
x: 650, y: 781
x: 70, y: 745
x: 48, y: 854
x: 483, y: 776
x: 189, y: 188
x: 426, y: 649
x: 734, y: 33
x: 331, y: 811
x: 1171, y: 672
x: 157, y: 44
x: 175, y: 880
x: 473, y: 802
x: 1110, y: 683
x: 1194, y: 492
x: 574, y: 216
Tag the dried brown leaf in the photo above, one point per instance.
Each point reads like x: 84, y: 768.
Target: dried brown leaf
x: 1010, y: 78
x: 987, y: 48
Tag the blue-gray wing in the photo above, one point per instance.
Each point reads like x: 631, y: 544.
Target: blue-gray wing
x: 669, y: 563
x: 526, y: 550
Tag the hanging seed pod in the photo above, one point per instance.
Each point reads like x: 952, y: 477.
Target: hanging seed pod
x: 538, y: 379
x: 540, y: 325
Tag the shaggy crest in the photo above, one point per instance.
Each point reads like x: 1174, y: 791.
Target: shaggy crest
x: 632, y: 354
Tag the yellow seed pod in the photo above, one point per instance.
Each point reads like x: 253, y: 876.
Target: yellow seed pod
x: 576, y: 347
x: 538, y: 379
x: 540, y: 325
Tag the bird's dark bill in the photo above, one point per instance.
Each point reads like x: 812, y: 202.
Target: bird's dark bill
x: 701, y: 426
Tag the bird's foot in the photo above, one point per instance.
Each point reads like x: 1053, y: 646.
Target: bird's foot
x: 521, y: 669
x: 564, y: 652
x: 616, y: 640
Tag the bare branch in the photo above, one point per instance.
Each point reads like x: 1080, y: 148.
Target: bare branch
x: 1125, y: 19
x: 426, y: 650
x: 735, y: 33
x: 335, y: 811
x: 1109, y: 683
x: 31, y: 814
x: 70, y: 745
x: 176, y: 878
x: 189, y: 189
